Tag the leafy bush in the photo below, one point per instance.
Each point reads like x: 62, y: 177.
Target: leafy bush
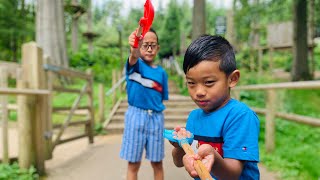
x: 101, y: 61
x: 13, y: 172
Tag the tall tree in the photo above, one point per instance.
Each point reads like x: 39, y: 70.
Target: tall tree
x: 50, y: 31
x: 300, y: 68
x: 198, y: 18
x: 170, y: 33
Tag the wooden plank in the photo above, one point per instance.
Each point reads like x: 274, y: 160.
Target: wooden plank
x: 25, y: 119
x: 90, y: 127
x: 23, y: 91
x: 101, y: 100
x: 306, y: 120
x: 65, y: 108
x: 67, y: 90
x: 4, y: 115
x: 66, y: 72
x: 270, y: 120
x: 67, y: 120
x: 11, y: 107
x: 113, y: 111
x: 11, y: 68
x: 72, y: 138
x: 32, y: 64
x: 300, y: 119
x: 285, y: 85
x: 74, y: 123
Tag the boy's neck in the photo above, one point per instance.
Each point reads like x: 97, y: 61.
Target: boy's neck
x: 151, y: 64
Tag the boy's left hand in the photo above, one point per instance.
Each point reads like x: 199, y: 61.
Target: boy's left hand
x: 205, y: 155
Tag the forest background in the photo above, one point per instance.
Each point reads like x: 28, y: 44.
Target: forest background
x: 100, y: 43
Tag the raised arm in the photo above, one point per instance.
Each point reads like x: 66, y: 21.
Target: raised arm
x: 135, y: 52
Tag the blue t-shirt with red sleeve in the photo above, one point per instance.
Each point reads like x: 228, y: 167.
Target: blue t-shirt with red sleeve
x: 232, y: 130
x: 147, y: 86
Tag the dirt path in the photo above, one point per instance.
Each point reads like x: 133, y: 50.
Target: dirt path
x: 79, y: 160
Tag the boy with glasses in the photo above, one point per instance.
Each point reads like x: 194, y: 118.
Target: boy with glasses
x: 147, y: 87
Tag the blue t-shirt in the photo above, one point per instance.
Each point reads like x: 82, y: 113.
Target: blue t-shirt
x: 147, y: 86
x: 232, y: 130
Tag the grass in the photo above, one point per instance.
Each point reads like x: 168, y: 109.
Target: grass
x: 297, y: 146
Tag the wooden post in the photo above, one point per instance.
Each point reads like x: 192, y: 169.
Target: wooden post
x: 260, y: 61
x: 114, y: 81
x: 90, y: 128
x: 270, y: 120
x: 118, y: 79
x: 251, y: 59
x: 101, y: 103
x: 26, y: 116
x: 271, y: 50
x: 4, y: 115
x: 32, y: 65
x: 48, y: 125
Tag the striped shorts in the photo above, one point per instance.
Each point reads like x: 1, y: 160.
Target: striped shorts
x: 143, y: 130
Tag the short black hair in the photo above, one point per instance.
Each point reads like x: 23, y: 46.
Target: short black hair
x: 154, y: 31
x: 210, y: 48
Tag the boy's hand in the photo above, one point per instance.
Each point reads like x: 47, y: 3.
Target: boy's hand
x: 205, y: 155
x: 181, y: 133
x: 135, y: 52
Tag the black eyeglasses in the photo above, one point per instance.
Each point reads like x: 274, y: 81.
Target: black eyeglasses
x: 146, y: 46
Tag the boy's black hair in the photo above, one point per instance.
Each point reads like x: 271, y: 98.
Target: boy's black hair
x: 210, y: 48
x: 154, y: 31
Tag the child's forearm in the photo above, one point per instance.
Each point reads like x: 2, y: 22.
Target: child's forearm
x: 177, y: 155
x: 133, y: 58
x: 225, y: 168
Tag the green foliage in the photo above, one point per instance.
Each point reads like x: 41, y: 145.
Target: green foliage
x: 296, y: 144
x: 295, y: 151
x: 170, y: 32
x: 263, y: 14
x: 13, y: 172
x: 16, y: 27
x: 101, y: 62
x: 99, y: 129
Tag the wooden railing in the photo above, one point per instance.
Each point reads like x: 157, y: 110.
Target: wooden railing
x: 35, y: 90
x: 118, y: 82
x: 271, y: 111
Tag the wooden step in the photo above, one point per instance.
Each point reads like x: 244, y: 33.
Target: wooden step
x: 176, y: 113
x: 119, y: 119
x: 118, y: 128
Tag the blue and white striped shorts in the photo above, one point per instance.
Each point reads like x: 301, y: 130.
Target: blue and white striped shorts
x: 143, y: 130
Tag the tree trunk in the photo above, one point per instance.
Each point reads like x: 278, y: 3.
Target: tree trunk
x: 300, y: 68
x: 74, y: 30
x: 89, y: 13
x: 50, y: 32
x: 198, y: 18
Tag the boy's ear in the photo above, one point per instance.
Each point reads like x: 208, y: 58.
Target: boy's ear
x: 234, y: 78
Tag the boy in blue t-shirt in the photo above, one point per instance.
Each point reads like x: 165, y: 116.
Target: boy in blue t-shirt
x: 225, y: 130
x: 147, y: 87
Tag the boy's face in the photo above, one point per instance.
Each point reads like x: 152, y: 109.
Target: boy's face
x: 149, y: 47
x: 208, y: 86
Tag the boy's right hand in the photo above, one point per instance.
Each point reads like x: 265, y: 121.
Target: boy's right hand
x: 135, y: 52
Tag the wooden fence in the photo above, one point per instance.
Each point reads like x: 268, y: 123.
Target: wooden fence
x: 271, y: 111
x: 35, y: 90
